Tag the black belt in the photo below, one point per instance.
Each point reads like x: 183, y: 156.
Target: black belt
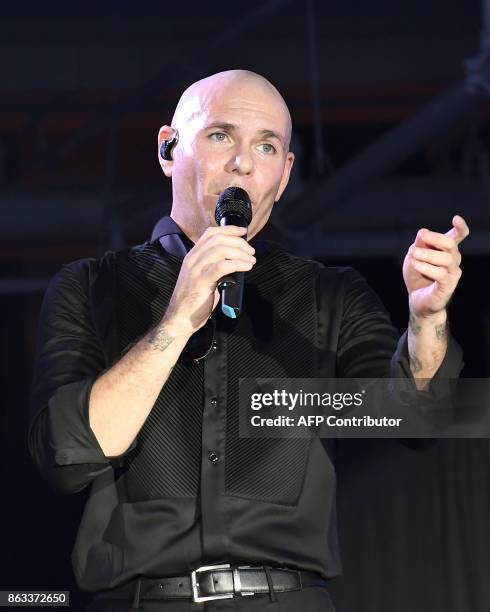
x: 218, y: 582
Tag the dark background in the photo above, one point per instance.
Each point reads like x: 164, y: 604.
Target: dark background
x: 391, y: 134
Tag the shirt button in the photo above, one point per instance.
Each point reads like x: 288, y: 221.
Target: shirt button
x: 213, y: 457
x: 214, y: 402
x: 215, y: 345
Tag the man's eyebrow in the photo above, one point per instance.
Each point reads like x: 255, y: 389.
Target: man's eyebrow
x: 227, y: 127
x: 230, y: 127
x: 271, y: 134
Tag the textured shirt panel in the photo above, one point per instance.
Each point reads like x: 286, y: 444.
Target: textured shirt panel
x: 275, y: 339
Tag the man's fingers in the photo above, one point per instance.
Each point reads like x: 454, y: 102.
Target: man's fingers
x: 215, y: 235
x: 427, y: 269
x: 460, y: 229
x: 221, y: 247
x: 232, y: 241
x: 219, y: 253
x: 446, y: 242
x: 436, y: 258
x: 443, y: 242
x: 227, y: 266
x: 233, y: 230
x: 226, y: 228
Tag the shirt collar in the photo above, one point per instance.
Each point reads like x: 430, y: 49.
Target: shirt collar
x: 171, y: 237
x: 176, y: 242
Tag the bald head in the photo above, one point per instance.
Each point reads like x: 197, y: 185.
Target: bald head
x: 202, y: 94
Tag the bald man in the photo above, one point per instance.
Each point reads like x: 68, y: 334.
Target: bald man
x: 136, y: 384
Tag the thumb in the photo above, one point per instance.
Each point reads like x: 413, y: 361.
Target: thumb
x: 460, y: 229
x: 216, y: 298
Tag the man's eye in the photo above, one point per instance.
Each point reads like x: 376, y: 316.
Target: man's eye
x: 267, y: 148
x: 218, y: 136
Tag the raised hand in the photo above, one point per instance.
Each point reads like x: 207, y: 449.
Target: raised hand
x: 431, y: 269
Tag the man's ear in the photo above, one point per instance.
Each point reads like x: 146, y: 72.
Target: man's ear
x: 285, y: 175
x: 166, y: 133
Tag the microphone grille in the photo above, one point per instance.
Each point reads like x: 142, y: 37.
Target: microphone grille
x: 234, y: 200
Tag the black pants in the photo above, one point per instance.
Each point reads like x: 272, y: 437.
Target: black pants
x: 310, y: 599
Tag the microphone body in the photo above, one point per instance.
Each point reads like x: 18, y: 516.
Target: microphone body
x: 233, y: 208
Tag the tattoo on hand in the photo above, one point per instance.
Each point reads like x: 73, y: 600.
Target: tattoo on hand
x: 415, y: 326
x: 415, y: 364
x: 160, y: 338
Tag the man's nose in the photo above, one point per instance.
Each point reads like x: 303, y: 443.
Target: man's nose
x: 241, y: 161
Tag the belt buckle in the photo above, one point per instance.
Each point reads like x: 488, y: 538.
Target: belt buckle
x: 195, y: 584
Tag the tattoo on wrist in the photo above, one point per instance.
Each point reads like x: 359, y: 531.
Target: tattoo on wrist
x: 415, y: 364
x: 414, y: 325
x: 160, y: 338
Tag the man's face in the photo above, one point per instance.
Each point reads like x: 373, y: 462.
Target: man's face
x: 232, y: 135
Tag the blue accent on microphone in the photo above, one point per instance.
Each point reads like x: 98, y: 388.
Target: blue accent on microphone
x: 228, y: 311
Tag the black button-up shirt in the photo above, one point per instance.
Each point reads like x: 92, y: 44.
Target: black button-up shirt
x: 189, y: 491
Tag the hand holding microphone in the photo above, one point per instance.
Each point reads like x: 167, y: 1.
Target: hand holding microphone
x: 218, y: 254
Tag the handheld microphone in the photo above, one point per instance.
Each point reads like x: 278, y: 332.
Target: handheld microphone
x: 233, y: 208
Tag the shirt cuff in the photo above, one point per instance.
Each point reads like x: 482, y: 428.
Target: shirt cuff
x: 441, y: 386
x: 450, y: 367
x: 72, y: 438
